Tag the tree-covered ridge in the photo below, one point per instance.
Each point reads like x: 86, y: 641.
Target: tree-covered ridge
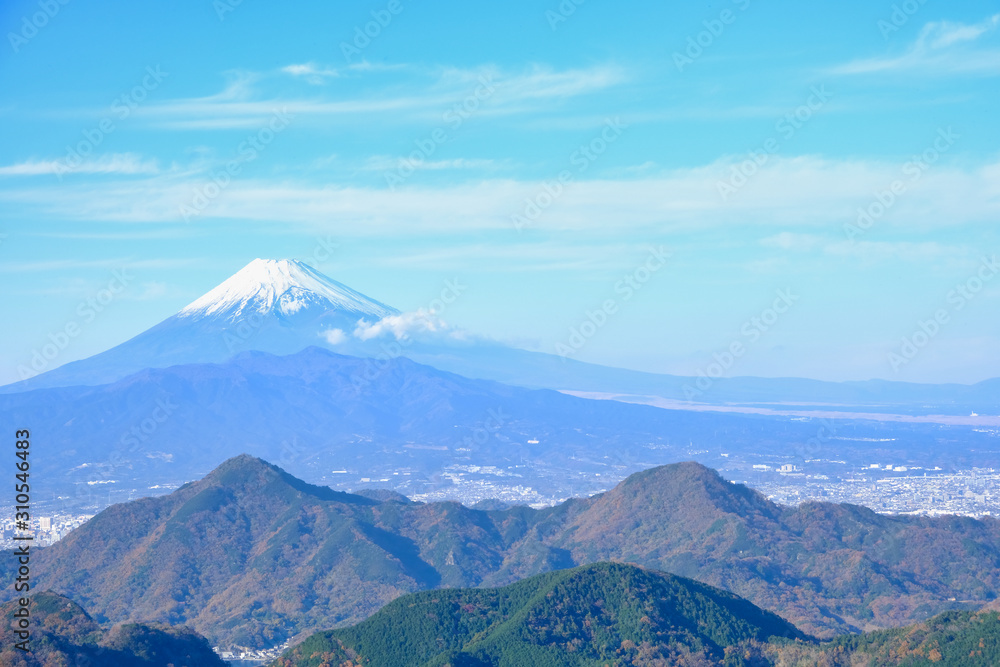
x: 617, y: 615
x: 250, y: 555
x: 952, y: 639
x: 607, y: 613
x: 63, y: 634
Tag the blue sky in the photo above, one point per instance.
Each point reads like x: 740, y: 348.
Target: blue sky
x: 533, y: 151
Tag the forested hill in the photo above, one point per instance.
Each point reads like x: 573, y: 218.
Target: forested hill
x: 592, y: 615
x: 952, y: 639
x: 609, y: 615
x: 63, y: 634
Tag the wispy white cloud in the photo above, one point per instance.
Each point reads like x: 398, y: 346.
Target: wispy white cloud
x: 792, y: 241
x: 418, y: 323
x: 791, y: 249
x: 877, y: 251
x: 941, y: 34
x: 242, y: 103
x: 79, y: 287
x: 551, y: 255
x: 387, y: 163
x: 836, y: 245
x: 135, y: 234
x: 148, y: 291
x: 110, y: 264
x: 115, y: 163
x: 366, y: 66
x: 787, y: 194
x: 542, y: 83
x: 941, y: 48
x: 312, y: 73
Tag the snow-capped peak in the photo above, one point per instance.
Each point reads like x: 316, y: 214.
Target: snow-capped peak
x: 284, y: 286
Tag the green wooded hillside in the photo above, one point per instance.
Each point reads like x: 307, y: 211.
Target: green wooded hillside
x: 64, y: 634
x: 607, y: 613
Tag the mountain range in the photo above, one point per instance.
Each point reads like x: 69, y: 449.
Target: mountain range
x: 283, y: 306
x: 252, y: 555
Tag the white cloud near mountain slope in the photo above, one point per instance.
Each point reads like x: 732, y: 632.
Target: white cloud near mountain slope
x: 417, y: 323
x: 334, y: 336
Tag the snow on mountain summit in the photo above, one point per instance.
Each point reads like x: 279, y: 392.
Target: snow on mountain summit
x: 283, y: 287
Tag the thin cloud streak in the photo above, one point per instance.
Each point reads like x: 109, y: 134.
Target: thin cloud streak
x: 788, y: 192
x: 117, y: 163
x: 108, y: 264
x: 235, y: 107
x: 938, y: 51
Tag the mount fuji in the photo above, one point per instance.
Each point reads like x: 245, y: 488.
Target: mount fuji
x: 276, y: 306
x: 286, y: 289
x: 284, y: 306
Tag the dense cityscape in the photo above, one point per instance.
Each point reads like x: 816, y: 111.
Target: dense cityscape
x: 974, y: 492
